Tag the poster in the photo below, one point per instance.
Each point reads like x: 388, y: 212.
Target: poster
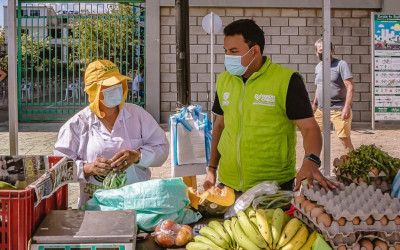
x: 386, y: 66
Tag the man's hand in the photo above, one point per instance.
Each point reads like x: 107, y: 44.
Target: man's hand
x: 346, y: 113
x: 314, y: 107
x: 124, y: 159
x: 101, y: 166
x: 309, y: 170
x: 210, y: 180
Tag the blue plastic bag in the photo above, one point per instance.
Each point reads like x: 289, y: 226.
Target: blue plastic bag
x: 192, y: 119
x: 153, y: 200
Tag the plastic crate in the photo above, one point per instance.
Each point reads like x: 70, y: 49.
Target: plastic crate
x: 19, y: 217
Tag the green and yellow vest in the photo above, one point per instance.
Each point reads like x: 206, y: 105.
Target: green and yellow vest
x: 258, y: 142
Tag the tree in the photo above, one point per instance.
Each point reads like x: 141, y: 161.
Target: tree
x: 3, y: 53
x: 113, y: 35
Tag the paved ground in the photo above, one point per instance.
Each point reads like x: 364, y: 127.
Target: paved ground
x: 39, y: 138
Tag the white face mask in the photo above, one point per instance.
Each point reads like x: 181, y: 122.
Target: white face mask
x: 112, y: 96
x: 234, y: 64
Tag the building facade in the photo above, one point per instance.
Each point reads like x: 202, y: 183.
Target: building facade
x: 291, y: 29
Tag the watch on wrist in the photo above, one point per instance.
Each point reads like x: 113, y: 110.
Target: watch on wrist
x: 212, y: 167
x: 314, y: 158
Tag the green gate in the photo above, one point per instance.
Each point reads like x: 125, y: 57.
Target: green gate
x: 56, y: 41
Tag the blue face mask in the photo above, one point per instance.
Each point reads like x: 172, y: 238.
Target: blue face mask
x: 112, y: 96
x: 234, y: 64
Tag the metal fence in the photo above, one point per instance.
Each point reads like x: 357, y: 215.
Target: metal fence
x: 56, y: 41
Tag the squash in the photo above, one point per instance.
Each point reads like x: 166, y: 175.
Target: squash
x: 213, y: 201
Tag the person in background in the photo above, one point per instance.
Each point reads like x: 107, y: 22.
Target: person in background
x: 138, y: 83
x: 109, y: 134
x: 342, y: 93
x: 259, y: 105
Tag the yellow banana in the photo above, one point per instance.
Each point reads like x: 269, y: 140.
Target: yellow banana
x: 240, y: 237
x: 263, y: 226
x: 298, y: 240
x: 277, y: 226
x: 201, y: 246
x: 310, y: 241
x: 253, y: 220
x: 228, y: 228
x: 288, y: 232
x: 221, y: 231
x: 203, y: 239
x: 250, y: 230
x: 214, y: 237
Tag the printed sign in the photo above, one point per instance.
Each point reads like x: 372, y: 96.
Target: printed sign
x: 386, y: 66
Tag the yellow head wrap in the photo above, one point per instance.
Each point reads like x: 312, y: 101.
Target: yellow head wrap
x: 103, y: 73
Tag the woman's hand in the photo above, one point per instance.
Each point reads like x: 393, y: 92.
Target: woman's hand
x: 125, y: 158
x: 101, y: 166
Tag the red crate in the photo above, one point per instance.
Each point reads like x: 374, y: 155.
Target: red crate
x: 19, y: 217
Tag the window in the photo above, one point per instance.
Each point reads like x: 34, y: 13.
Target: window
x: 35, y: 12
x: 55, y: 33
x: 23, y: 13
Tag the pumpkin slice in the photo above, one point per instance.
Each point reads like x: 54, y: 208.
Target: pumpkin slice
x: 223, y: 197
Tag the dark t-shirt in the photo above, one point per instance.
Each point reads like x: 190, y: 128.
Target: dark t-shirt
x: 298, y: 105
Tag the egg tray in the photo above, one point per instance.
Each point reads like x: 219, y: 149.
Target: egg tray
x: 336, y: 240
x: 371, y: 237
x: 353, y: 201
x: 346, y: 230
x: 350, y: 241
x: 378, y: 183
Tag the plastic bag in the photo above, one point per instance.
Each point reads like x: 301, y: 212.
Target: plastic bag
x: 281, y: 199
x: 114, y: 179
x: 153, y: 200
x: 168, y: 233
x: 246, y: 199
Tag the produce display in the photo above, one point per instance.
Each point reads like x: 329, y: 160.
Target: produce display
x: 255, y: 229
x: 214, y: 201
x: 281, y: 199
x: 366, y: 164
x: 349, y: 213
x: 168, y: 233
x: 114, y: 179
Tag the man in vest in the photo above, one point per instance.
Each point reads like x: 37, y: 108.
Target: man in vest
x: 258, y: 106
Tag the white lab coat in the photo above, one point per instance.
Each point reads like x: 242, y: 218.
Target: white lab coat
x: 84, y: 138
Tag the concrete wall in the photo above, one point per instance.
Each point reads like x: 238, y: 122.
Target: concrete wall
x: 289, y: 34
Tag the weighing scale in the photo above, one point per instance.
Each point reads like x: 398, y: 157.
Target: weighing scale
x: 86, y: 230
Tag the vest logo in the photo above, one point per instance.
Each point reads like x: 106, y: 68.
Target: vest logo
x: 225, y: 102
x: 264, y: 100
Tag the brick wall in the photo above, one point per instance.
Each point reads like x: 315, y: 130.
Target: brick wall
x: 289, y: 36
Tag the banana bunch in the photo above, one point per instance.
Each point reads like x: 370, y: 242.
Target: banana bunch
x: 260, y: 229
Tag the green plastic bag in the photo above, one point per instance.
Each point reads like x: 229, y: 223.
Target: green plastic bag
x: 153, y: 200
x: 320, y: 244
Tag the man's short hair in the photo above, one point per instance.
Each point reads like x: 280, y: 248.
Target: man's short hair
x: 320, y: 43
x: 251, y: 32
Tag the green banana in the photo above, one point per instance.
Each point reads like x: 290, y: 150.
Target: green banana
x: 277, y: 226
x: 6, y: 186
x: 253, y: 220
x: 250, y: 212
x: 201, y: 246
x: 250, y: 230
x: 298, y: 240
x: 288, y: 232
x: 240, y: 237
x: 264, y: 227
x: 214, y: 237
x: 228, y: 228
x: 203, y: 239
x: 310, y: 241
x: 270, y: 214
x: 221, y: 231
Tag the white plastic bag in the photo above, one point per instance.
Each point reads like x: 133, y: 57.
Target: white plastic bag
x: 246, y: 199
